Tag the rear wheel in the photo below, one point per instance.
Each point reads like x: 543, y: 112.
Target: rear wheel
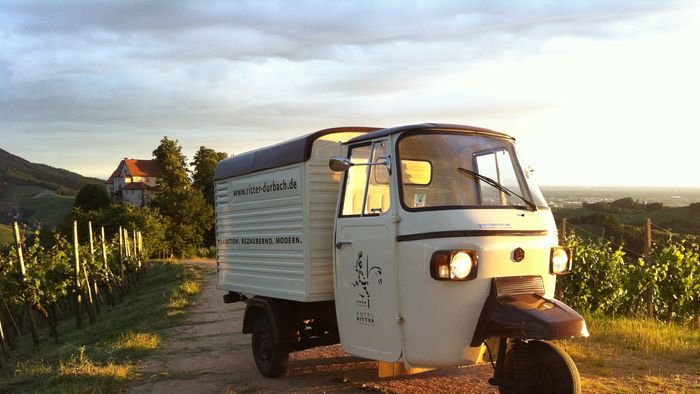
x: 552, y: 370
x: 271, y: 358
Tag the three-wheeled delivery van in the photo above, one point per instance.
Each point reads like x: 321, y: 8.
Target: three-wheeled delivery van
x: 411, y: 245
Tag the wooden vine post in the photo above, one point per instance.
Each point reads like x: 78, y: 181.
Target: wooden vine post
x: 90, y: 304
x: 127, y: 248
x: 9, y: 338
x: 562, y: 234
x: 121, y: 256
x: 76, y: 284
x: 2, y: 343
x: 135, y: 244
x: 649, y: 296
x: 95, y: 304
x: 104, y: 248
x: 140, y: 243
x: 137, y: 253
x: 23, y: 272
x: 110, y: 293
x: 127, y: 252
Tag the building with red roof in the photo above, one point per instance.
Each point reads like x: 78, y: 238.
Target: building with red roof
x: 131, y: 182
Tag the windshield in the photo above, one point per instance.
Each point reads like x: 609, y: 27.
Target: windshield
x: 451, y: 170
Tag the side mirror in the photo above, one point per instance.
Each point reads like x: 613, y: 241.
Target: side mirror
x: 339, y: 163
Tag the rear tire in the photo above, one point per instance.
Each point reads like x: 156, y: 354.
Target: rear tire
x: 554, y: 371
x: 271, y: 358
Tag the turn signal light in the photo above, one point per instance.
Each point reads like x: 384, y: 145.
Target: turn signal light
x: 453, y: 265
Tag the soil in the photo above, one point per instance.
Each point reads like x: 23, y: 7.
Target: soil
x: 209, y: 354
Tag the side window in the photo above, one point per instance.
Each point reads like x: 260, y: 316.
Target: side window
x: 356, y: 181
x: 361, y: 198
x: 377, y: 201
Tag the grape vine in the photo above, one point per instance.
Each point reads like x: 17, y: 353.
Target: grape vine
x: 40, y: 280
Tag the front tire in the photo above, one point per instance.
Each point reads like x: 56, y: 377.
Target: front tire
x: 554, y: 372
x: 271, y: 358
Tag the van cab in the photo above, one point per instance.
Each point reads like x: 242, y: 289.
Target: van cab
x: 441, y: 250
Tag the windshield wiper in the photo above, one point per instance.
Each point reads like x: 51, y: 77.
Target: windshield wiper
x: 498, y: 186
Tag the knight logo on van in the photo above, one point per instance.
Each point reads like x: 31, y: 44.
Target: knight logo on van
x: 422, y: 246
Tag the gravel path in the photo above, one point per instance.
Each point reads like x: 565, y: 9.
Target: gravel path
x: 209, y: 354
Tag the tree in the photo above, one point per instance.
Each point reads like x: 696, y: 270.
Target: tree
x: 204, y: 163
x: 92, y: 197
x: 173, y: 165
x: 187, y: 214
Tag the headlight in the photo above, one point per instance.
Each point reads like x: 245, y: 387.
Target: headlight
x: 460, y: 265
x: 453, y: 265
x: 560, y: 260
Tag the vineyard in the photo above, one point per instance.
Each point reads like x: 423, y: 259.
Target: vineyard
x: 51, y: 292
x: 612, y: 279
x: 65, y: 278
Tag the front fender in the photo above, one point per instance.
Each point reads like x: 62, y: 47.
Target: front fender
x: 516, y: 308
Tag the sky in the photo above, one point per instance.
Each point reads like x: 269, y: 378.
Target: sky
x: 596, y: 93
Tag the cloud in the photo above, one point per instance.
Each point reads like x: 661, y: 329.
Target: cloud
x: 106, y: 74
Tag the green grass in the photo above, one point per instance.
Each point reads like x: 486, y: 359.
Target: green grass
x: 6, y: 236
x: 626, y: 355
x: 181, y: 297
x: 49, y: 208
x: 103, y: 357
x: 13, y: 195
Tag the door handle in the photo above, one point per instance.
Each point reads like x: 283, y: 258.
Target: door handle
x: 340, y: 244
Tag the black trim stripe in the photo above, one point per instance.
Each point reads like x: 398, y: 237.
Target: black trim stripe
x: 471, y: 233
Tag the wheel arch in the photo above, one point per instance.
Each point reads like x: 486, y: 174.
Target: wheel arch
x: 282, y: 316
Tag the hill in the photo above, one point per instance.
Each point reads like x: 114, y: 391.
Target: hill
x: 32, y: 192
x: 33, y: 204
x: 627, y: 211
x: 621, y: 221
x: 5, y: 234
x: 15, y: 170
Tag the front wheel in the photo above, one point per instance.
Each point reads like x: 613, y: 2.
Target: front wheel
x: 553, y: 371
x: 271, y: 358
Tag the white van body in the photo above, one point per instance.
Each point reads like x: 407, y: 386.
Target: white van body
x: 274, y: 227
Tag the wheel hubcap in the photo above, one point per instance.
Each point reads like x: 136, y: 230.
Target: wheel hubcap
x: 265, y: 346
x: 544, y: 382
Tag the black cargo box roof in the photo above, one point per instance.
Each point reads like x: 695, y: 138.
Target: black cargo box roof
x: 431, y: 127
x: 282, y: 154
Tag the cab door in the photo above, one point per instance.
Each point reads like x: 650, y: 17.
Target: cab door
x: 364, y: 266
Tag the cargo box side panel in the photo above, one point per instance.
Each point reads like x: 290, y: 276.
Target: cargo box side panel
x: 323, y: 185
x: 260, y: 234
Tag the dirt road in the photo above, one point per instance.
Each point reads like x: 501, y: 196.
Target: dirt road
x: 208, y: 354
